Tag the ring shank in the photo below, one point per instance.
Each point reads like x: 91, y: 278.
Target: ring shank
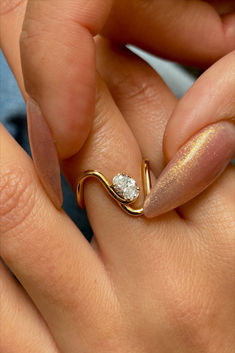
x: 124, y: 204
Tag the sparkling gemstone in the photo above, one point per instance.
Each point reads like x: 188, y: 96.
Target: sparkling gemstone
x: 125, y: 187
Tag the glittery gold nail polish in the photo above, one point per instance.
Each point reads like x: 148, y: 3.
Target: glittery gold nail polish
x: 195, y: 166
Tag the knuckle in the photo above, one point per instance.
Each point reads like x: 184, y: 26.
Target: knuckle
x: 142, y: 89
x: 17, y: 198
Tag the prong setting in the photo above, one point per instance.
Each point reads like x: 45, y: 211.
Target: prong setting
x: 126, y: 187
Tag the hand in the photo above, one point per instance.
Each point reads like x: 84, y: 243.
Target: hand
x: 58, y: 52
x: 160, y: 285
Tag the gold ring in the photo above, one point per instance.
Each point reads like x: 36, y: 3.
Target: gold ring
x: 123, y: 189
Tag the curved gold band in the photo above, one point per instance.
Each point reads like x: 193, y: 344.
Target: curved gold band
x: 123, y: 203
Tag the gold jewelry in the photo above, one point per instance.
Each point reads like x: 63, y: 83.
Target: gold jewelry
x: 123, y: 189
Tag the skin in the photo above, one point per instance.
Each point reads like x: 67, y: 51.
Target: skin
x: 214, y: 93
x: 64, y: 87
x: 146, y: 286
x: 62, y: 298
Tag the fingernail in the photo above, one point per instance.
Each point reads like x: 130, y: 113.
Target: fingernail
x: 44, y: 153
x: 195, y: 166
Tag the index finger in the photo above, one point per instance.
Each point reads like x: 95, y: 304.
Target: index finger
x: 58, y: 61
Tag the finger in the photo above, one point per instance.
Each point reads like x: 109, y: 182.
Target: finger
x: 63, y: 86
x: 63, y: 93
x: 22, y: 328
x: 143, y: 98
x: 205, y: 152
x: 48, y: 254
x: 130, y: 247
x: 182, y: 35
x: 111, y: 149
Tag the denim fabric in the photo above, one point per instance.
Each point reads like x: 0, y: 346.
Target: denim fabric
x: 12, y: 105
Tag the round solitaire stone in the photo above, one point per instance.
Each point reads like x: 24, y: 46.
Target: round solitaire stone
x: 126, y: 187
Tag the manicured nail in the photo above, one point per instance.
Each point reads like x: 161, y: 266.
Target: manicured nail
x: 195, y: 166
x: 44, y: 153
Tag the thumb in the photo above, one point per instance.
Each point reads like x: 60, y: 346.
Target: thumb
x: 58, y: 62
x: 199, y: 140
x: 209, y: 100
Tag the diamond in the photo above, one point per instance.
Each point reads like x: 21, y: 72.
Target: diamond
x: 126, y: 187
